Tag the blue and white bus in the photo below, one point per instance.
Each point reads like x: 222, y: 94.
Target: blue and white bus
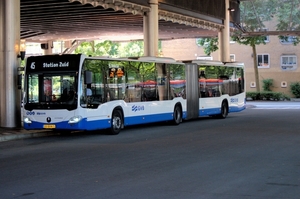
x: 76, y: 92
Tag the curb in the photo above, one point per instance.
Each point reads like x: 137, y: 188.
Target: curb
x: 250, y: 106
x: 17, y: 136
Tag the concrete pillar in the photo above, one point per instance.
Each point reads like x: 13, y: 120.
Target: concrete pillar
x: 146, y: 34
x: 224, y: 36
x: 220, y: 37
x: 153, y: 28
x: 48, y: 51
x: 10, y: 95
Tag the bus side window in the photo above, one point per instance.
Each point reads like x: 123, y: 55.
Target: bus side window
x: 150, y: 94
x: 133, y: 94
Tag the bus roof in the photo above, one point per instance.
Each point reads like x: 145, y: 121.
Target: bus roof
x: 56, y: 56
x: 215, y: 63
x: 154, y: 59
x: 141, y: 59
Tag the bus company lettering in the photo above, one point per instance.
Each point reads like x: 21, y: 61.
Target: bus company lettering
x: 54, y: 65
x: 234, y: 100
x: 135, y: 108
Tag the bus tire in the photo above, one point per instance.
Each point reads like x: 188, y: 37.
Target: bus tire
x: 177, y: 115
x: 116, y: 122
x: 224, y: 110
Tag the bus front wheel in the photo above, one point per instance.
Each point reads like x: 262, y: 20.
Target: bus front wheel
x: 116, y: 122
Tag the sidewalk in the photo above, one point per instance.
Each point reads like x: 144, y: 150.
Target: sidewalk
x: 7, y: 134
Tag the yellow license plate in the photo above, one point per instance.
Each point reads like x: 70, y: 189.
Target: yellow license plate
x: 49, y: 126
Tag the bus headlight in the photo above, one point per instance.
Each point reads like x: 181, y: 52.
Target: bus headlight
x: 75, y: 119
x: 26, y: 120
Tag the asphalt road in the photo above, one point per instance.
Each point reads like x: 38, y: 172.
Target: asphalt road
x: 250, y: 155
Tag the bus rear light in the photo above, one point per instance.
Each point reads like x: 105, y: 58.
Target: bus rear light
x: 75, y: 119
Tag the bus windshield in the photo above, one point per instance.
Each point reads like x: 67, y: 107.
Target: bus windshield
x: 51, y: 89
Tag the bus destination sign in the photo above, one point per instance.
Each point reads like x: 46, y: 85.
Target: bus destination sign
x: 55, y: 65
x: 53, y: 62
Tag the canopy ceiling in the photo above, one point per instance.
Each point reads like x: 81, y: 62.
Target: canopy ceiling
x: 106, y: 20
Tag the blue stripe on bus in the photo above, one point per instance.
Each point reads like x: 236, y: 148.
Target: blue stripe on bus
x: 236, y: 108
x: 82, y: 125
x: 216, y: 111
x: 104, y: 124
x: 148, y: 118
x: 151, y: 118
x: 211, y: 111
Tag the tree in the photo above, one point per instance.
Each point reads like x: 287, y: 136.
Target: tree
x: 132, y: 49
x: 288, y: 15
x: 135, y: 49
x: 94, y: 48
x: 113, y: 49
x: 210, y: 45
x: 253, y: 15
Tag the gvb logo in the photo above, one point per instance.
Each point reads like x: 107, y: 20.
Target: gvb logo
x: 135, y: 108
x: 30, y: 113
x: 234, y: 100
x: 32, y: 66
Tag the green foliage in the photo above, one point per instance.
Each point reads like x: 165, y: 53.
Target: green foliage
x: 93, y: 48
x: 285, y: 97
x: 112, y: 49
x: 288, y: 16
x: 250, y: 41
x: 267, y: 95
x: 209, y: 45
x: 253, y: 95
x: 295, y: 89
x: 253, y: 15
x: 133, y: 49
x: 267, y: 84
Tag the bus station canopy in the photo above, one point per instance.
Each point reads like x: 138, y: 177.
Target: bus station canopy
x: 117, y: 19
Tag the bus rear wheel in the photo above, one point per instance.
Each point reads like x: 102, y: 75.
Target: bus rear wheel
x: 177, y: 115
x: 116, y: 122
x: 224, y: 110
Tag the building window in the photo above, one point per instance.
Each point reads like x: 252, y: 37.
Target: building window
x: 288, y: 62
x: 263, y: 61
x: 267, y: 38
x: 232, y: 57
x: 287, y: 39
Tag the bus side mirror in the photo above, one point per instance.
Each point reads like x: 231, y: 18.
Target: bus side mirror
x: 88, y: 77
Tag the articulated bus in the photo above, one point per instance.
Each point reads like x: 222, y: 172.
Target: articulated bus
x: 80, y: 93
